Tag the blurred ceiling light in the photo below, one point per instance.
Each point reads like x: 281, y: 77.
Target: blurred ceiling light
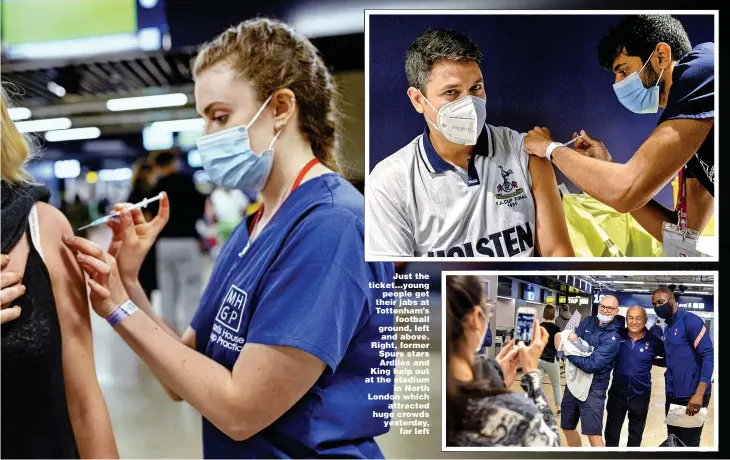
x: 696, y: 292
x: 119, y: 174
x: 92, y: 177
x: 56, y: 89
x: 149, y: 39
x: 73, y: 134
x: 200, y: 177
x: 699, y: 284
x: 157, y: 139
x: 48, y: 124
x: 627, y: 282
x: 67, y: 169
x: 194, y: 160
x: 187, y: 140
x: 147, y: 102
x: 174, y: 126
x: 19, y: 113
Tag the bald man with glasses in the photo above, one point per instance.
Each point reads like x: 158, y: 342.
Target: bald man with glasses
x: 602, y: 332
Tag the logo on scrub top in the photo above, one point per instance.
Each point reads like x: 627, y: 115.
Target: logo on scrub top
x: 231, y: 310
x: 508, y: 188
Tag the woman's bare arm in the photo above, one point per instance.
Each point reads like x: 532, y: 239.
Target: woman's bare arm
x: 137, y: 295
x: 87, y: 409
x: 551, y: 231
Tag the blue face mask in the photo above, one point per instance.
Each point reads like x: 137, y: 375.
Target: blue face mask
x: 634, y: 96
x: 604, y: 318
x: 228, y: 160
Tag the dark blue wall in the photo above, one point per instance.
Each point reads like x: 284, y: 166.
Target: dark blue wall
x: 628, y: 299
x: 538, y: 70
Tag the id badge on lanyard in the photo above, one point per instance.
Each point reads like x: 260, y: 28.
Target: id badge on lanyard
x: 677, y: 239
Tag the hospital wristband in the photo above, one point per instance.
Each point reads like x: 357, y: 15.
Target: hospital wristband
x: 550, y: 148
x: 122, y: 311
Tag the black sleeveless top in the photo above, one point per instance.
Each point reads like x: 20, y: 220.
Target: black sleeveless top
x: 35, y: 419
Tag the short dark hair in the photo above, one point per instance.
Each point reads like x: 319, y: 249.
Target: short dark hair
x: 549, y: 312
x: 435, y: 45
x: 638, y: 36
x: 665, y: 290
x: 163, y: 157
x: 659, y: 321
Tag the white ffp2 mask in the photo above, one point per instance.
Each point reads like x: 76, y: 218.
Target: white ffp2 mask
x: 461, y: 121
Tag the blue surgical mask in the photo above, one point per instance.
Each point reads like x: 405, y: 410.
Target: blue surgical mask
x: 228, y: 160
x: 604, y: 318
x: 634, y: 96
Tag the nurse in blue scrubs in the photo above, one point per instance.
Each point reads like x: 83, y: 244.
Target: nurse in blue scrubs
x: 278, y: 357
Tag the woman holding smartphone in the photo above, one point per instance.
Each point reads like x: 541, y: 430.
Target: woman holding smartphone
x: 478, y: 412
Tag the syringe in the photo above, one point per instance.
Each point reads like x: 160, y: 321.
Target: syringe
x: 105, y: 219
x: 570, y: 142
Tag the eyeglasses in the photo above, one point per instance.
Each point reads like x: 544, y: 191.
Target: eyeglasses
x: 606, y: 308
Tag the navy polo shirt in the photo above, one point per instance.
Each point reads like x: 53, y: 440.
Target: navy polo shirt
x: 632, y: 372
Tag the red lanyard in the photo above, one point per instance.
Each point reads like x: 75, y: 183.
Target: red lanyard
x: 296, y: 183
x: 682, y: 199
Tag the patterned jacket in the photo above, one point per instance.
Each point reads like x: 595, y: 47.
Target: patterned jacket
x: 512, y: 419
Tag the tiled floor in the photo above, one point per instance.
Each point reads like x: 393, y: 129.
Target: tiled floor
x: 149, y: 425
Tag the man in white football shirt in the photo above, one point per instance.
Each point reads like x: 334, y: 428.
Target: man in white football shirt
x: 462, y: 188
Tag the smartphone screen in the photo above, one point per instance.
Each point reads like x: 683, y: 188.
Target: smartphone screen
x: 524, y: 326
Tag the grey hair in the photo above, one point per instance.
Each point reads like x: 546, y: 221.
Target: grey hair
x: 434, y: 45
x: 643, y: 312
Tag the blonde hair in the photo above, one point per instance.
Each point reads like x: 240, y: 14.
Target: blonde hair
x: 16, y: 148
x: 270, y: 55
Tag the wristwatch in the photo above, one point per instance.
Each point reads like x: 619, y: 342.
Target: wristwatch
x: 121, y: 312
x: 550, y: 148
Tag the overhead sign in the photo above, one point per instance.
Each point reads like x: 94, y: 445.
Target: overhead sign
x: 692, y: 305
x: 684, y: 301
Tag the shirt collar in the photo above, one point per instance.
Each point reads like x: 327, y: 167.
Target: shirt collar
x: 436, y: 164
x: 643, y: 335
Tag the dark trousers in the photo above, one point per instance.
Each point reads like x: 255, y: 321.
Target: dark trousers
x: 616, y: 409
x: 689, y: 436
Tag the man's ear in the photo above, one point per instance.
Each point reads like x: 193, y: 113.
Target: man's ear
x: 417, y: 99
x: 663, y: 53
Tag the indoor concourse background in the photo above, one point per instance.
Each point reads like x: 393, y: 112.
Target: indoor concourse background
x: 538, y: 70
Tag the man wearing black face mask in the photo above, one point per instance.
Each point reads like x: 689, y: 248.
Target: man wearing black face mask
x: 654, y: 66
x: 690, y: 362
